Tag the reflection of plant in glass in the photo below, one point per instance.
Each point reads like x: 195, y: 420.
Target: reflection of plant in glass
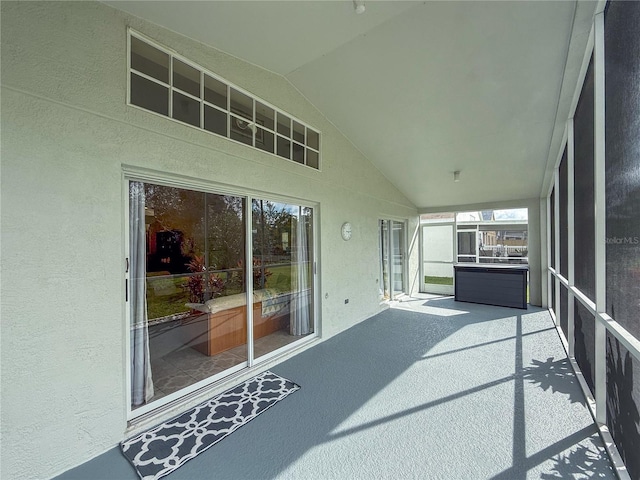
x: 260, y: 273
x: 199, y: 290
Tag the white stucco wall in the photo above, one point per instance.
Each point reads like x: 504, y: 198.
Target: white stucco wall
x: 66, y: 132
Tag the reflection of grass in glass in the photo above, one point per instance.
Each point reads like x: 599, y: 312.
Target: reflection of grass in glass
x: 438, y: 280
x: 280, y: 278
x: 166, y: 296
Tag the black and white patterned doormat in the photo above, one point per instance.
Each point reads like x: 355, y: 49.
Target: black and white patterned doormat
x: 159, y: 451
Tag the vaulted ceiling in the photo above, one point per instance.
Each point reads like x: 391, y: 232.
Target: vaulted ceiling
x: 422, y: 89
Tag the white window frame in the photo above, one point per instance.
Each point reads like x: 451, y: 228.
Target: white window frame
x: 596, y: 306
x: 230, y: 86
x: 217, y: 383
x: 446, y: 289
x: 394, y: 294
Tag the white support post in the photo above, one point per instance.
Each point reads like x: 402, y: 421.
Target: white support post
x: 556, y: 267
x: 600, y: 221
x: 248, y: 275
x: 571, y: 237
x: 202, y: 101
x: 477, y: 243
x: 550, y: 277
x: 170, y: 89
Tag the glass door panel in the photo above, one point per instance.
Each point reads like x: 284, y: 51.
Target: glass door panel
x: 282, y: 245
x: 392, y: 257
x: 438, y: 278
x: 438, y: 258
x: 437, y: 243
x: 467, y: 246
x: 187, y: 294
x: 397, y: 242
x: 385, y: 287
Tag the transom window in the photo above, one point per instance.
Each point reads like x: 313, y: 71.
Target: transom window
x: 169, y: 85
x: 493, y: 236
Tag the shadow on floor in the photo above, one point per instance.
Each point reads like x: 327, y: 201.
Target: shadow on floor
x: 410, y: 394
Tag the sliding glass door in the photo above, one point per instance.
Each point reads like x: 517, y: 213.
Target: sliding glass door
x: 438, y: 258
x: 189, y: 283
x: 392, y: 247
x: 385, y: 283
x: 398, y: 249
x: 282, y: 274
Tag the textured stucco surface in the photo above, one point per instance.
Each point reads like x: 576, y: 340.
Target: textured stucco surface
x: 66, y: 133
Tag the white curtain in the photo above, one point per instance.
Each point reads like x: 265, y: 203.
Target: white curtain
x: 301, y: 322
x: 141, y: 380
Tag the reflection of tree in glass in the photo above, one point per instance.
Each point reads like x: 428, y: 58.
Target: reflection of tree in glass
x: 260, y: 273
x: 274, y: 242
x: 273, y: 226
x: 225, y: 231
x: 174, y: 211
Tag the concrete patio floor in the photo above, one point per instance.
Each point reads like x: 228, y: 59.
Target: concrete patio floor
x: 429, y: 389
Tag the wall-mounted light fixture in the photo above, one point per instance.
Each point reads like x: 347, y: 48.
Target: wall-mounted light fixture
x: 244, y: 125
x: 359, y: 7
x: 456, y: 176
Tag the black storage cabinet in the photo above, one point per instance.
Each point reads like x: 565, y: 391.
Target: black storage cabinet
x: 502, y: 285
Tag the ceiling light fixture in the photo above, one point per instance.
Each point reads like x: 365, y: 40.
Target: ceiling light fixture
x: 456, y: 176
x: 359, y: 6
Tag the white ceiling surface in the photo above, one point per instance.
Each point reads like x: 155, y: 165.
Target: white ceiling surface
x: 421, y: 88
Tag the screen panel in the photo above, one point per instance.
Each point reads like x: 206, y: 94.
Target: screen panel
x: 552, y: 223
x: 623, y: 403
x: 584, y: 210
x: 622, y: 143
x: 564, y: 309
x: 622, y: 96
x: 552, y: 220
x: 564, y: 223
x: 584, y: 336
x: 553, y: 305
